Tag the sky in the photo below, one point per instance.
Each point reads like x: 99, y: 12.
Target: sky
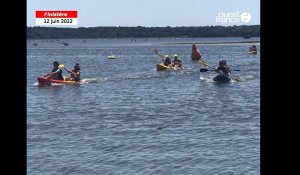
x: 148, y: 13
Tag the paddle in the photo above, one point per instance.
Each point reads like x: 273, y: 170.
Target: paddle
x: 161, y: 55
x: 156, y: 52
x: 61, y: 66
x: 203, y: 62
x: 205, y: 70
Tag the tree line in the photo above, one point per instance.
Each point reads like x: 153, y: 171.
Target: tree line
x: 142, y: 32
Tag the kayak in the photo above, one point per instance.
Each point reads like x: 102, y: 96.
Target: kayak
x: 195, y: 53
x: 45, y: 81
x: 221, y: 78
x: 162, y: 67
x: 176, y: 67
x: 252, y: 52
x: 111, y: 57
x: 195, y: 57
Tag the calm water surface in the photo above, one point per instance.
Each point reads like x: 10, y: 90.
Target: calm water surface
x: 127, y: 118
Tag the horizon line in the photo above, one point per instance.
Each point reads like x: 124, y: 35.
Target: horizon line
x: 145, y: 26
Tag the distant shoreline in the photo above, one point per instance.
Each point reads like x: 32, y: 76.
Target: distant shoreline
x: 142, y: 32
x: 218, y: 43
x: 145, y: 38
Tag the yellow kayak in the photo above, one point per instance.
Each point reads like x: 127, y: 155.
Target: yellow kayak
x: 162, y: 67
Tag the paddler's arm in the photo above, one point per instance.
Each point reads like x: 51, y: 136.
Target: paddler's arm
x: 76, y: 74
x: 229, y: 71
x: 71, y: 72
x: 56, y: 72
x: 67, y: 70
x: 216, y: 69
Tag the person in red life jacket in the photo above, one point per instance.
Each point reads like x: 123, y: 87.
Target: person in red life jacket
x: 75, y: 73
x: 223, y: 68
x: 176, y: 61
x: 56, y: 73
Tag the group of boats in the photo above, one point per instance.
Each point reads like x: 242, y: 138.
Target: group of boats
x: 196, y: 55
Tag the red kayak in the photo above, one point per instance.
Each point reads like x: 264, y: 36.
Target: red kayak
x: 45, y: 81
x: 195, y: 53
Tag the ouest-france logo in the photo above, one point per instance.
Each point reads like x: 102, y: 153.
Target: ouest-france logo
x: 233, y: 17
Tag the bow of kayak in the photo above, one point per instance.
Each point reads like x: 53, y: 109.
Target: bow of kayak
x: 220, y: 78
x: 252, y: 52
x: 162, y: 67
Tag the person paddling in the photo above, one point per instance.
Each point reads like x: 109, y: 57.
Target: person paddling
x: 56, y: 73
x: 223, y: 68
x: 176, y: 61
x: 253, y: 49
x: 166, y: 60
x: 75, y: 73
